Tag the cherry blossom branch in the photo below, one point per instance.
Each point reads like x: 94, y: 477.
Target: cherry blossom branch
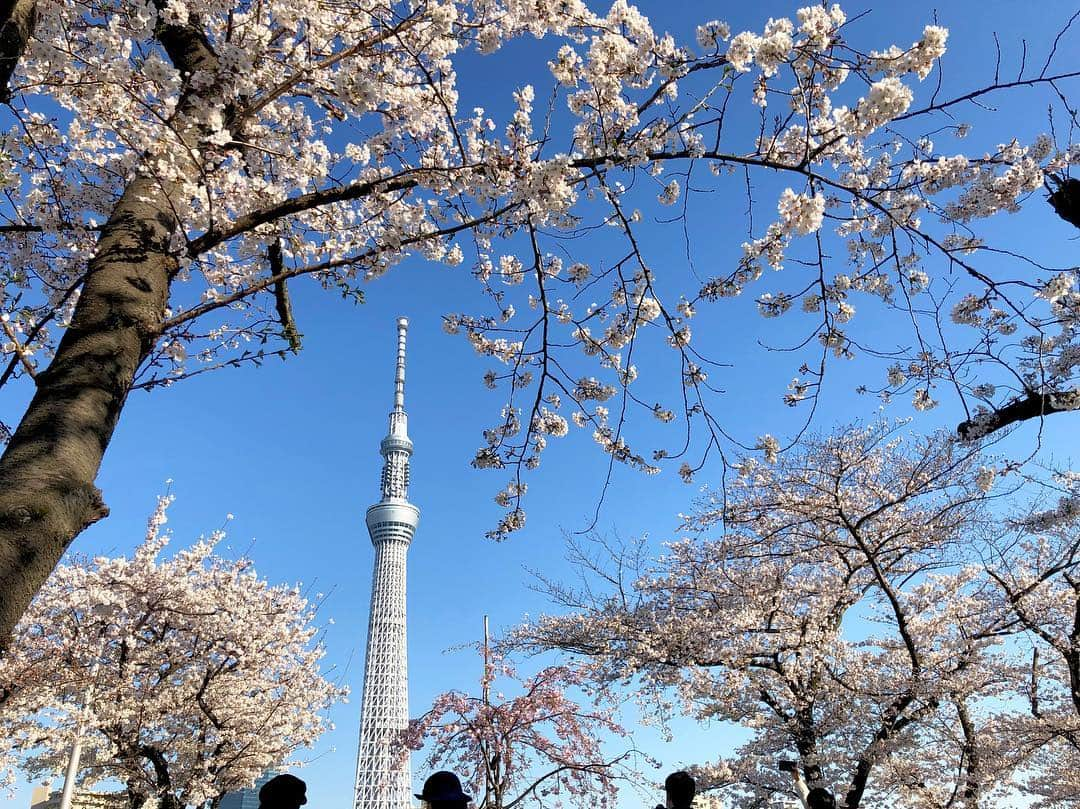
x: 1031, y: 405
x: 19, y: 349
x: 938, y: 106
x: 258, y: 286
x: 593, y: 767
x: 304, y: 202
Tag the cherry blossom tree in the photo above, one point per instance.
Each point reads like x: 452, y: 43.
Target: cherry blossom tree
x: 170, y: 166
x: 186, y: 677
x: 537, y: 747
x: 839, y: 615
x: 1037, y: 588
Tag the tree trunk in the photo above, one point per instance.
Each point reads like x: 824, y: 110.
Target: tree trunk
x: 17, y: 18
x: 47, y: 472
x: 866, y: 761
x: 169, y: 801
x: 970, y: 758
x: 47, y: 492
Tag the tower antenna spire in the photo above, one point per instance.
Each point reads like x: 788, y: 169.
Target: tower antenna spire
x: 396, y: 448
x: 399, y: 375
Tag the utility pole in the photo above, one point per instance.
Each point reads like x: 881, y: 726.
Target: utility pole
x: 491, y: 765
x: 72, y: 773
x: 486, y: 681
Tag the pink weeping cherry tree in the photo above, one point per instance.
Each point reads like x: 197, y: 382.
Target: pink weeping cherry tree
x: 534, y: 746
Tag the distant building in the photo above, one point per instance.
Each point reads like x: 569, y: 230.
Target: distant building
x: 246, y: 798
x: 43, y: 798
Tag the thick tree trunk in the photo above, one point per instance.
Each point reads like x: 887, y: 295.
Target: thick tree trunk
x: 47, y: 492
x: 866, y: 761
x: 17, y: 18
x: 47, y: 472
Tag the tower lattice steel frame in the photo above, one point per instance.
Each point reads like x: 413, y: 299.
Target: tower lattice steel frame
x: 383, y: 776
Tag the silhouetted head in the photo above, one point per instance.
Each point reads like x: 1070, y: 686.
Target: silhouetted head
x: 820, y: 798
x: 283, y: 792
x: 442, y: 790
x: 680, y: 788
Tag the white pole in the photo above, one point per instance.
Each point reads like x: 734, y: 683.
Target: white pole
x: 485, y: 682
x: 72, y: 772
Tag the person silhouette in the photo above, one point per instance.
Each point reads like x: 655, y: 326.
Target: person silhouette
x: 820, y: 798
x: 442, y: 790
x: 283, y: 792
x: 815, y: 798
x: 680, y: 788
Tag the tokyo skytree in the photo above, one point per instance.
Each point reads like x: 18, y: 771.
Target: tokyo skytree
x: 383, y: 776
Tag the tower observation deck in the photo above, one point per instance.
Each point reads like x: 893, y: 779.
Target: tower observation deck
x: 383, y: 775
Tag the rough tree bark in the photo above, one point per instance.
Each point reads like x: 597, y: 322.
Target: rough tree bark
x: 1030, y: 405
x: 47, y: 492
x: 17, y: 18
x: 47, y: 472
x: 970, y: 758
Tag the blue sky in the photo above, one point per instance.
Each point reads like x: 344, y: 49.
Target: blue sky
x: 291, y: 449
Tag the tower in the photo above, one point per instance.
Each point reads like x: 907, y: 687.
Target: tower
x: 383, y: 776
